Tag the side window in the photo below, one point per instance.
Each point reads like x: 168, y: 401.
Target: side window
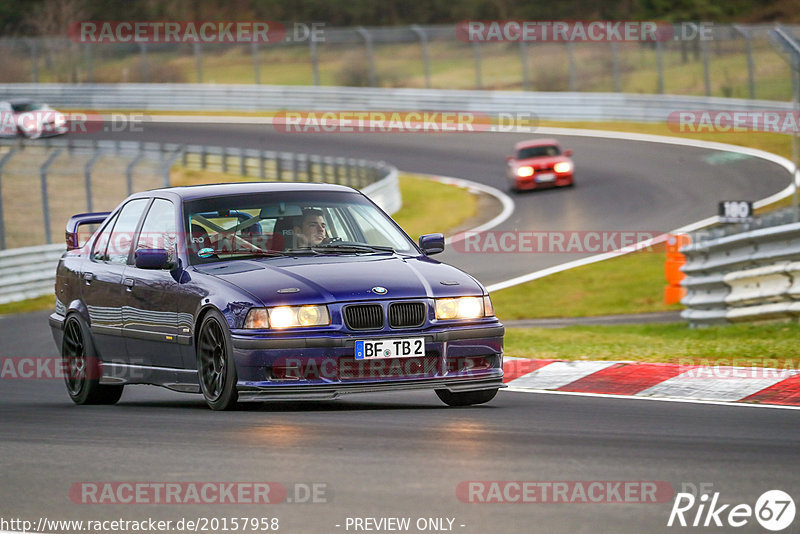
x: 158, y: 230
x: 101, y: 243
x: 120, y: 245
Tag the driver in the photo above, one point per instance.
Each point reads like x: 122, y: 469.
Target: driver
x: 311, y: 230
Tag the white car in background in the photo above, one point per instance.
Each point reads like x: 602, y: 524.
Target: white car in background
x: 31, y: 119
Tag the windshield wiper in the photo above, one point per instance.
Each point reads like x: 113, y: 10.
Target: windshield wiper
x: 351, y: 247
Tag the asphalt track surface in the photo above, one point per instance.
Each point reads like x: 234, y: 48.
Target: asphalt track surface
x: 404, y: 454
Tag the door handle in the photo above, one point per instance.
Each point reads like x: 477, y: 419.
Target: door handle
x: 88, y: 277
x: 128, y: 283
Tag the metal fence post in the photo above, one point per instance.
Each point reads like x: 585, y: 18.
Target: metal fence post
x: 706, y: 66
x: 314, y: 53
x: 198, y: 61
x: 296, y: 170
x: 476, y: 54
x: 262, y: 172
x: 129, y: 170
x: 373, y: 78
x: 660, y: 63
x: 426, y: 60
x: 87, y: 47
x: 87, y: 176
x: 45, y: 200
x: 523, y: 61
x: 350, y: 171
x: 573, y: 71
x: 748, y: 49
x: 33, y: 45
x: 5, y: 159
x: 615, y: 66
x: 165, y: 169
x: 143, y: 63
x: 256, y: 64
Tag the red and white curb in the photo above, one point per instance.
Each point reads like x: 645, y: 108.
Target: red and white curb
x: 754, y: 386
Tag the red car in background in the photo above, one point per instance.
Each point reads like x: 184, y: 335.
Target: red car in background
x: 539, y: 163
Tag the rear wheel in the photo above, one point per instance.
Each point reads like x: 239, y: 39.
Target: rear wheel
x: 466, y: 398
x: 82, y: 368
x: 215, y: 363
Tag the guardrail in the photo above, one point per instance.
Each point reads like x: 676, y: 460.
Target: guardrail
x: 248, y: 98
x: 30, y: 271
x: 747, y: 276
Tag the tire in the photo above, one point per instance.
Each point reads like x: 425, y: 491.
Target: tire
x: 82, y: 367
x: 466, y: 398
x: 215, y: 367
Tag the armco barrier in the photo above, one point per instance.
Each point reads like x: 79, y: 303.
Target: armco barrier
x: 752, y: 275
x: 544, y: 105
x: 30, y: 271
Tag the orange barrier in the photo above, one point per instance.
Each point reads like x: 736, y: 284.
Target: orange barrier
x: 674, y: 291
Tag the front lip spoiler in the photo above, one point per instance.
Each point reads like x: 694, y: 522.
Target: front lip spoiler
x: 334, y: 391
x: 252, y: 343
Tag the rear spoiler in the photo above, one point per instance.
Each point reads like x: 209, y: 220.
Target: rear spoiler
x: 79, y: 220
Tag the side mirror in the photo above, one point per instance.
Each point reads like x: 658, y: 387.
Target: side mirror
x: 568, y: 152
x: 152, y: 258
x: 431, y: 243
x: 509, y: 158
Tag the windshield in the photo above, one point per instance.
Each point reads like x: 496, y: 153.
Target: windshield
x: 538, y: 151
x: 289, y: 223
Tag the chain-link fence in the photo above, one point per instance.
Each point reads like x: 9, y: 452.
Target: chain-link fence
x: 44, y: 182
x: 730, y: 61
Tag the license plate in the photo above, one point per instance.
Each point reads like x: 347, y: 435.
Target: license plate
x: 546, y: 177
x: 390, y: 348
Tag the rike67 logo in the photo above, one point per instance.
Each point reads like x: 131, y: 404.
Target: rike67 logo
x: 774, y: 510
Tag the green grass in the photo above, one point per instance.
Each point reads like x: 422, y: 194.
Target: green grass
x: 46, y: 302
x: 630, y: 283
x: 763, y: 345
x: 430, y: 207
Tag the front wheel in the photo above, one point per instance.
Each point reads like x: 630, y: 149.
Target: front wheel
x: 466, y: 398
x: 215, y: 365
x: 82, y: 369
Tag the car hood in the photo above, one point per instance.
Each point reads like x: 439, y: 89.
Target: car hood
x: 328, y: 279
x: 541, y: 162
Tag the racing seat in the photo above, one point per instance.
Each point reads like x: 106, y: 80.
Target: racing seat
x: 283, y: 233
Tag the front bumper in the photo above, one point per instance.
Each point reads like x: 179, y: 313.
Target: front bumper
x: 324, y: 367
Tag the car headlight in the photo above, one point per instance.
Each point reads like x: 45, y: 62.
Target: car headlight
x: 464, y: 308
x: 525, y: 171
x: 287, y: 317
x: 562, y: 166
